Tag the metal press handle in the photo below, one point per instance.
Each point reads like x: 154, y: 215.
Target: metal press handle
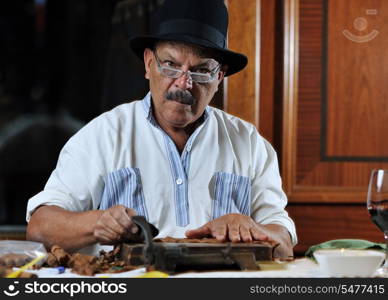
x: 146, y: 234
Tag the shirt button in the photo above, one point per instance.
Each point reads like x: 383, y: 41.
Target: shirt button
x: 179, y: 181
x: 188, y: 148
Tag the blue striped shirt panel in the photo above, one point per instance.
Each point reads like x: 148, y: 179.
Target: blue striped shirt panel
x: 124, y: 187
x: 232, y: 194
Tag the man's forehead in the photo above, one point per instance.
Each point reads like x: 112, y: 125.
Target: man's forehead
x: 176, y: 50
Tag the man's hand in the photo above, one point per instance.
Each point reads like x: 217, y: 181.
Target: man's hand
x: 74, y: 230
x: 232, y: 227
x: 241, y: 228
x: 115, y: 225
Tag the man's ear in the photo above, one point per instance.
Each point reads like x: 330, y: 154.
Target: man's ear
x: 222, y: 72
x: 148, y: 57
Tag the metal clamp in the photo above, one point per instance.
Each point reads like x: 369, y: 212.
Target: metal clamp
x: 147, y: 233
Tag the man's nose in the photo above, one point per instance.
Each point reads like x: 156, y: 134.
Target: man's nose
x: 184, y: 82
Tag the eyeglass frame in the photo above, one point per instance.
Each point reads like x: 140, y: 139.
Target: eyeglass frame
x: 180, y: 73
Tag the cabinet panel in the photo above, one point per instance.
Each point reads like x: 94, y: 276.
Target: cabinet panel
x: 355, y: 109
x: 336, y: 124
x: 319, y: 223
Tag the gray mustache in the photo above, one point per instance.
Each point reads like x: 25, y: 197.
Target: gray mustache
x: 184, y: 97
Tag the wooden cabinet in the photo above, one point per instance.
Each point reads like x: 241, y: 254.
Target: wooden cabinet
x: 316, y: 89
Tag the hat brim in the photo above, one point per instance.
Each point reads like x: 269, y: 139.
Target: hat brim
x: 235, y: 61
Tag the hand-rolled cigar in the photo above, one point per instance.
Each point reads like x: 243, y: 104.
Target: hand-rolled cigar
x: 51, y: 261
x: 61, y: 255
x: 83, y: 258
x: 84, y: 264
x: 14, y: 260
x: 27, y: 275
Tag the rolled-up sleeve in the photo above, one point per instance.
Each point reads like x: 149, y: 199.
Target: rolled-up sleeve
x: 76, y: 184
x: 268, y: 198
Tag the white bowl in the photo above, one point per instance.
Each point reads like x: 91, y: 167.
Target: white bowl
x: 349, y: 262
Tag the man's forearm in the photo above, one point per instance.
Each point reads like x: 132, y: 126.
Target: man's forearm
x: 281, y: 235
x: 52, y: 225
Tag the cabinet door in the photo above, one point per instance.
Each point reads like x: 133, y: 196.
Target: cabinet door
x: 335, y: 119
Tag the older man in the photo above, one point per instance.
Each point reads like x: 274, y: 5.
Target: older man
x: 190, y: 169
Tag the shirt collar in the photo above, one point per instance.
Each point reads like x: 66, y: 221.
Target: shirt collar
x: 148, y: 109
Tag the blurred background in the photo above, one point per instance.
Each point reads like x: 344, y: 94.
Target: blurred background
x: 62, y: 63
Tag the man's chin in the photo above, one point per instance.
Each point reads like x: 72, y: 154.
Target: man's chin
x: 180, y: 109
x: 180, y: 120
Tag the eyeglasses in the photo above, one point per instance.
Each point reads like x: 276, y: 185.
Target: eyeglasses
x: 200, y: 77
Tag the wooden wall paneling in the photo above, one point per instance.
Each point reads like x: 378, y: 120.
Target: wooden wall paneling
x: 268, y: 40
x: 290, y: 80
x: 317, y: 223
x: 254, y: 31
x: 357, y: 123
x: 321, y: 157
x: 242, y: 89
x: 325, y: 78
x: 255, y: 22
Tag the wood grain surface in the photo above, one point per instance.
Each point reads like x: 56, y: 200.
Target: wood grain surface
x: 320, y: 223
x: 357, y: 74
x: 328, y: 144
x: 242, y: 90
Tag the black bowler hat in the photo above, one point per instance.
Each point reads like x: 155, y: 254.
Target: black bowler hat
x: 198, y: 22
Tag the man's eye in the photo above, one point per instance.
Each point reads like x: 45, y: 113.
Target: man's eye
x: 169, y: 63
x: 202, y: 70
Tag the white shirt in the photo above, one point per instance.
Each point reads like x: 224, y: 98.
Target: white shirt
x: 124, y: 157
